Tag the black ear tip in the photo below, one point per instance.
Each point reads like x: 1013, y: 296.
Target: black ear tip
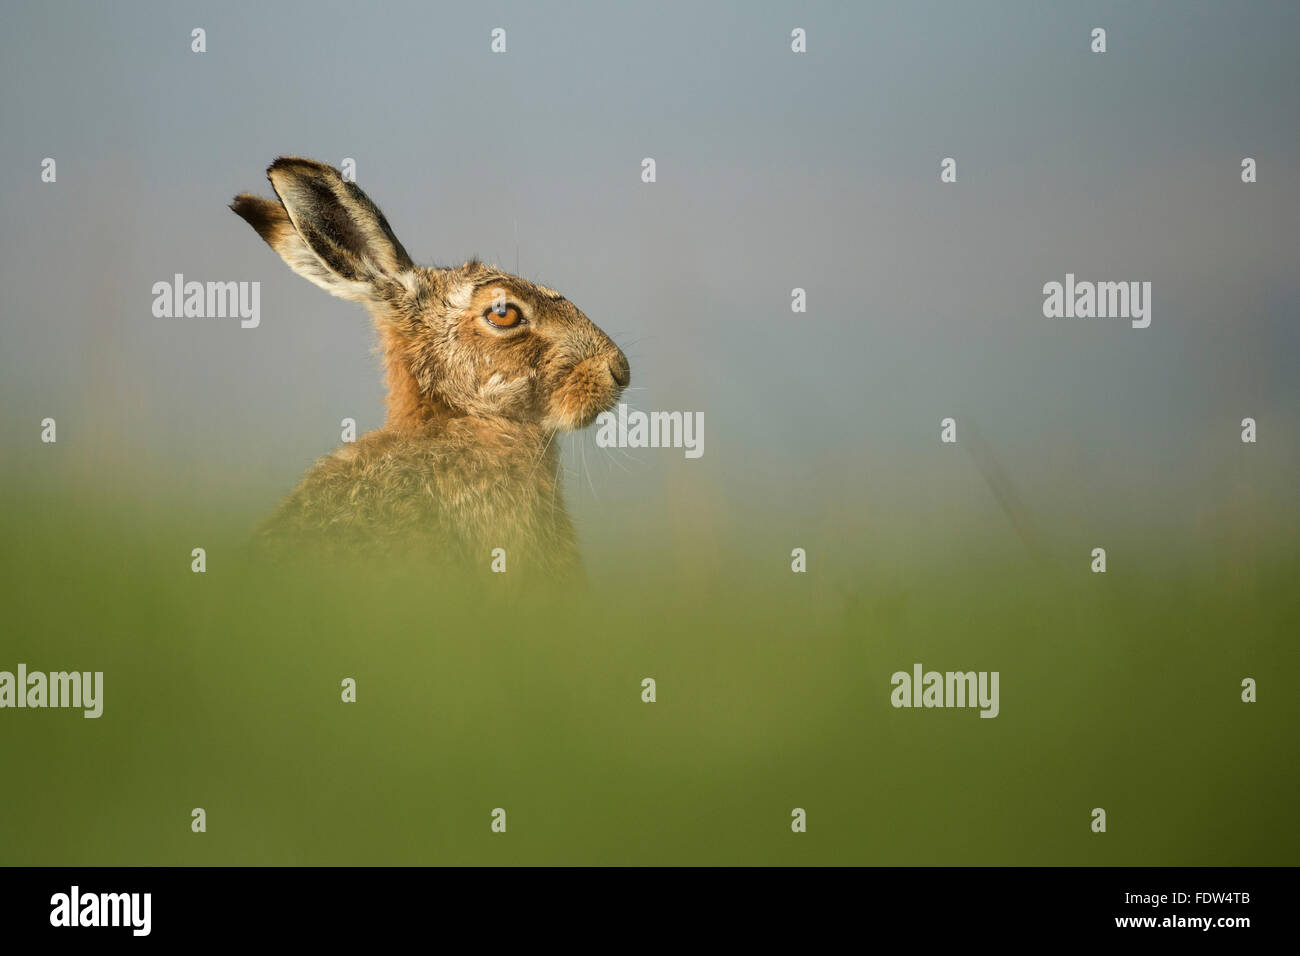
x: 245, y: 205
x: 262, y: 214
x: 297, y: 164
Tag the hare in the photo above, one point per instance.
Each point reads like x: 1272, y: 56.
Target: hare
x: 482, y: 369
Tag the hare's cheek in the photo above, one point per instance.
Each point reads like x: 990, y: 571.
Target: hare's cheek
x: 514, y: 396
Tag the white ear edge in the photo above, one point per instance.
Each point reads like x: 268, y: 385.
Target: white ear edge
x: 307, y: 264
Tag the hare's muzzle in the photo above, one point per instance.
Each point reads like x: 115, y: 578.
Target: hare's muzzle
x: 589, y: 388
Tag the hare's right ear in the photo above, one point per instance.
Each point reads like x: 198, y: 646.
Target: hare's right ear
x: 326, y: 229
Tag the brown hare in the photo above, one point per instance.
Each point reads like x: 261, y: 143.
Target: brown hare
x: 483, y: 368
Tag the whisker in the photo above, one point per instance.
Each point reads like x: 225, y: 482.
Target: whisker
x: 592, y: 484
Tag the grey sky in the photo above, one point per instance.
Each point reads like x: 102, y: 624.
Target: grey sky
x: 775, y: 170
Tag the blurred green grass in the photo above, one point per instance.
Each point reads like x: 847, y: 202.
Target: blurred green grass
x: 222, y: 691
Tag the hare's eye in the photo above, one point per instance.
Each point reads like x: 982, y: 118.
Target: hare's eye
x: 504, y: 316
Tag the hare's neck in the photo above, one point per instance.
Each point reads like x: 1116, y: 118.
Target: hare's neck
x: 406, y: 407
x: 409, y: 409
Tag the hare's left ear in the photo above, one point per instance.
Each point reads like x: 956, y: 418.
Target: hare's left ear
x: 326, y: 229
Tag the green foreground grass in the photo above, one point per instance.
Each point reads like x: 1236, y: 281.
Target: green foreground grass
x: 222, y: 691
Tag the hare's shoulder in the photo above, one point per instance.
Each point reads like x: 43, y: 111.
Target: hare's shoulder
x: 453, y: 450
x: 466, y: 486
x: 467, y: 457
x: 380, y: 481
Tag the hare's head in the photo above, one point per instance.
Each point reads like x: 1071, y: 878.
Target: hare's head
x: 469, y: 340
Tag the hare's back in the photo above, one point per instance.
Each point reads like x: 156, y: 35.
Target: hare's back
x: 456, y: 489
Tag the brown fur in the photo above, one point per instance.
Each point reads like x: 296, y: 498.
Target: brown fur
x: 465, y: 461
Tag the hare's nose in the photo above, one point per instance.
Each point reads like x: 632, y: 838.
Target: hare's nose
x: 619, y: 369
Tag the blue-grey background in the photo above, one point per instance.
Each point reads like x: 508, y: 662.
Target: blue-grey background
x: 775, y: 170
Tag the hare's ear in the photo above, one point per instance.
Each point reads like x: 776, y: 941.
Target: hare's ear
x: 326, y: 229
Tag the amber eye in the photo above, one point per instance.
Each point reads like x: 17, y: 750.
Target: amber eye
x: 504, y: 316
